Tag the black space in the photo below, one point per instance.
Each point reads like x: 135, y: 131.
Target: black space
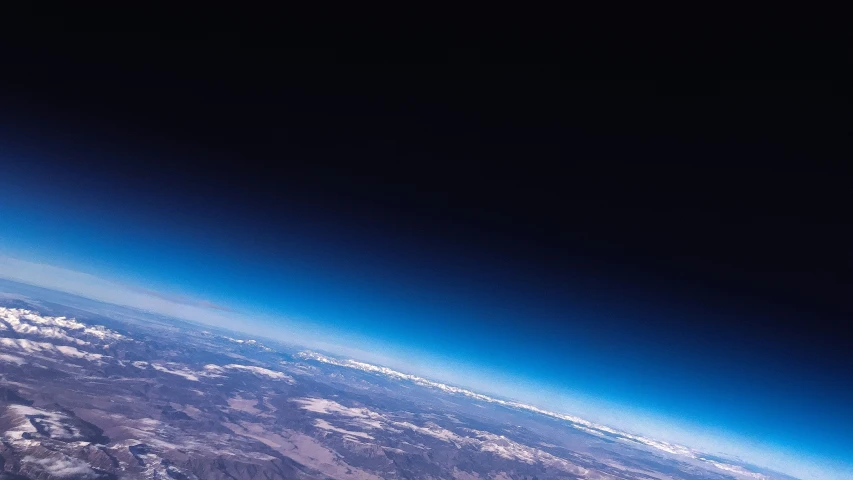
x: 678, y: 158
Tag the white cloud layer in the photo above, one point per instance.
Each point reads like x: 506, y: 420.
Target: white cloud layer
x: 62, y: 467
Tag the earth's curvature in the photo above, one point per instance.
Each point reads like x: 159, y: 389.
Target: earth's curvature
x: 89, y: 390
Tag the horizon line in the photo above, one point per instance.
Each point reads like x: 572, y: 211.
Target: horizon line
x: 93, y: 287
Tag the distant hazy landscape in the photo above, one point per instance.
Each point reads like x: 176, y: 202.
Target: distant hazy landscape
x: 91, y: 390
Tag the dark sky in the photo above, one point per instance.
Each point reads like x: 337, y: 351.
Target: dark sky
x: 681, y: 164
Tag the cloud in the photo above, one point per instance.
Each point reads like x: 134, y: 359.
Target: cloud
x: 62, y: 467
x: 181, y: 299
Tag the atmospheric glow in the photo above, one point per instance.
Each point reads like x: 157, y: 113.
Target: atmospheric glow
x: 454, y: 371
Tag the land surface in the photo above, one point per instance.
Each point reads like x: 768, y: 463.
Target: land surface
x: 90, y: 390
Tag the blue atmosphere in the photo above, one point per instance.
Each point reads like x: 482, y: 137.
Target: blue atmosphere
x: 457, y: 318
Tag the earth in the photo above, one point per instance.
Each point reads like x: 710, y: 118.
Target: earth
x: 99, y: 391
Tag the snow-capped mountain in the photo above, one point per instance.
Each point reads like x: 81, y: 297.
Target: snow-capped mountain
x: 576, y: 422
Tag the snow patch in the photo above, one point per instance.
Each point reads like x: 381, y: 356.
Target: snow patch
x: 54, y: 425
x: 31, y: 323
x: 178, y: 370
x: 30, y: 346
x: 264, y: 372
x: 259, y: 371
x: 579, y: 423
x: 12, y: 359
x: 331, y: 407
x: 736, y: 469
x: 435, y: 431
x: 323, y: 424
